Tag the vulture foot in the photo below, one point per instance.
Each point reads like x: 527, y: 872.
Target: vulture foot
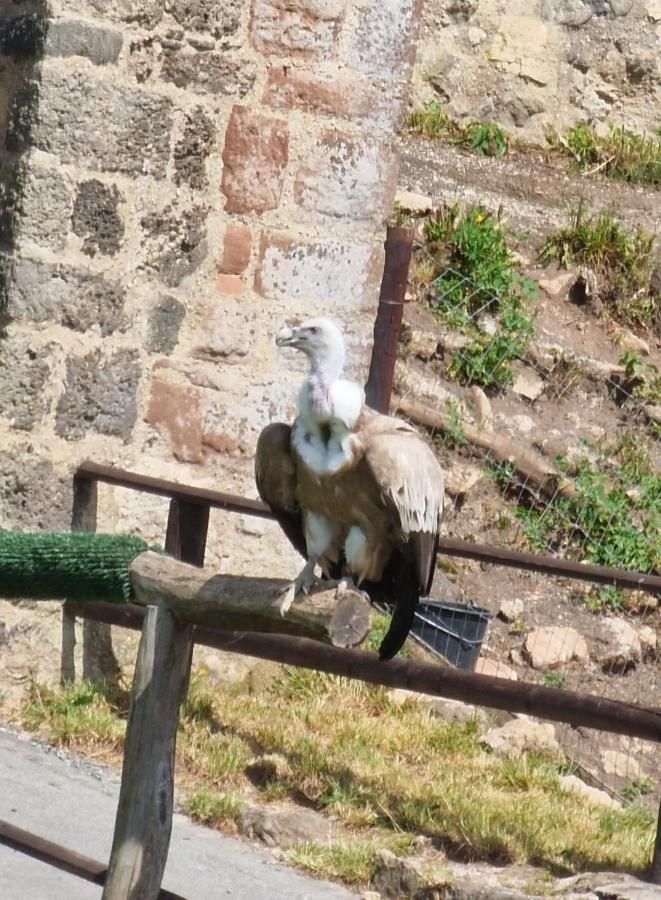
x: 306, y: 579
x: 346, y: 584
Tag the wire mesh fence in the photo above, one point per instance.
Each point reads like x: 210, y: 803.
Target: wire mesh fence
x: 546, y: 419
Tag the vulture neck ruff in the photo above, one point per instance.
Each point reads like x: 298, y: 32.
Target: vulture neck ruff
x: 328, y: 409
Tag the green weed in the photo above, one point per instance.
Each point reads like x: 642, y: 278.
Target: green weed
x: 483, y: 138
x: 480, y: 279
x: 621, y: 261
x: 642, y: 380
x: 615, y: 517
x: 622, y: 154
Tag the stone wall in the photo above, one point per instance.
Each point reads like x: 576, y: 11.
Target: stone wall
x: 178, y: 179
x: 530, y: 64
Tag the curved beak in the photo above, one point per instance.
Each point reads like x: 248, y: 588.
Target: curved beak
x: 287, y: 337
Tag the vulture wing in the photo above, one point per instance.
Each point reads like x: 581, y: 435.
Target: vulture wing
x: 275, y: 475
x: 410, y: 480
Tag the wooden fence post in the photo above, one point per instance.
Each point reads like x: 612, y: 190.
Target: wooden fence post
x: 99, y: 662
x: 388, y: 323
x: 146, y: 799
x: 144, y: 813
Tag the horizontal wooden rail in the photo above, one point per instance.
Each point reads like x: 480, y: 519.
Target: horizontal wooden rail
x: 60, y: 857
x: 483, y: 553
x: 579, y: 709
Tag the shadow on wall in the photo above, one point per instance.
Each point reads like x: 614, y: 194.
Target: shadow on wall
x: 23, y: 32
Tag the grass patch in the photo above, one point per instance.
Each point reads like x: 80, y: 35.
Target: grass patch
x: 213, y: 808
x: 475, y: 287
x: 622, y: 154
x: 642, y: 381
x: 615, y: 518
x: 84, y: 715
x: 483, y: 138
x: 621, y: 261
x: 387, y: 773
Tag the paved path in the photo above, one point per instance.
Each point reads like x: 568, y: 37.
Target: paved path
x: 73, y: 803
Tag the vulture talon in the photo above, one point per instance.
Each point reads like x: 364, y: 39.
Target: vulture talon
x: 300, y: 585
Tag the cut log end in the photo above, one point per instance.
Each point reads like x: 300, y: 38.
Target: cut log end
x: 237, y: 603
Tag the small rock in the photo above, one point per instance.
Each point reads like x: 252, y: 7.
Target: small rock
x: 453, y: 710
x: 489, y: 325
x: 622, y: 764
x: 612, y: 885
x: 476, y: 36
x: 648, y: 640
x: 548, y: 648
x: 526, y: 383
x: 461, y: 478
x: 523, y: 735
x: 399, y: 877
x: 412, y: 202
x: 285, y: 827
x: 485, y: 666
x: 511, y: 610
x: 482, y: 407
x: 422, y: 344
x: 619, y: 645
x: 577, y: 786
x: 558, y: 285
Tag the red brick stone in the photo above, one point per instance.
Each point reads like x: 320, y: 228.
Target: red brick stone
x: 333, y: 275
x: 230, y: 284
x: 333, y: 92
x: 237, y: 244
x: 307, y: 28
x: 348, y: 177
x: 175, y: 410
x: 254, y: 161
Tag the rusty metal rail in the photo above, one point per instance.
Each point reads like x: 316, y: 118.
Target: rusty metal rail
x: 60, y: 857
x: 90, y: 471
x: 556, y: 704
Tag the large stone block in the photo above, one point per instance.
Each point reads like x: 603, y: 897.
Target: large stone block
x: 24, y: 375
x: 212, y: 72
x: 175, y: 241
x: 93, y: 123
x: 208, y: 16
x: 43, y: 292
x: 32, y: 494
x: 163, y: 325
x: 333, y: 91
x: 96, y: 218
x: 192, y: 149
x: 73, y: 37
x: 383, y: 44
x: 327, y: 274
x: 43, y: 203
x: 99, y: 395
x: 175, y: 410
x: 23, y: 36
x: 348, y: 177
x: 296, y: 27
x: 254, y: 161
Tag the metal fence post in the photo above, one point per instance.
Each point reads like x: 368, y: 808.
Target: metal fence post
x: 388, y: 323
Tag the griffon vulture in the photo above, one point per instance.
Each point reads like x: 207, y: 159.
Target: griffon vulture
x: 356, y: 493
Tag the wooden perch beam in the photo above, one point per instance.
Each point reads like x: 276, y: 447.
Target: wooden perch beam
x: 532, y: 467
x: 200, y: 597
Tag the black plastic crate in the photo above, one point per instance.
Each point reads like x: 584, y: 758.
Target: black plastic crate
x: 454, y: 630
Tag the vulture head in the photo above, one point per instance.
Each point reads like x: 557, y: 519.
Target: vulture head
x: 321, y: 341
